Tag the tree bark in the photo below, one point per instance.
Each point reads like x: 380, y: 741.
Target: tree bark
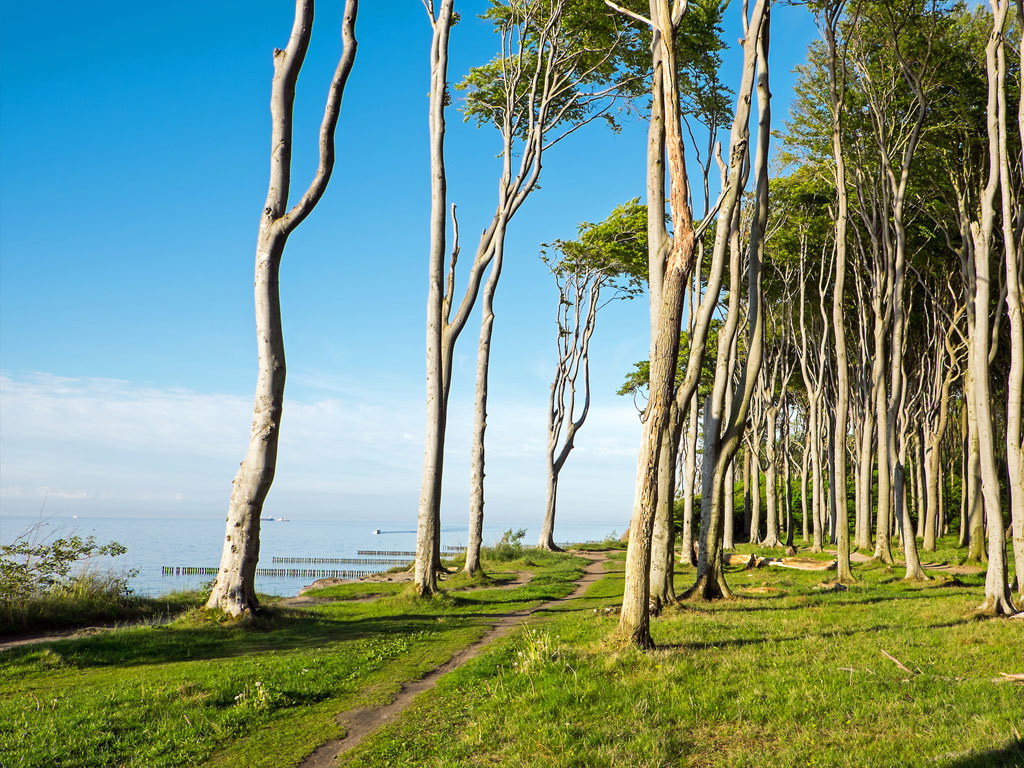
x: 998, y: 599
x: 483, y: 362
x: 710, y: 573
x: 438, y: 342
x: 634, y: 622
x: 234, y: 590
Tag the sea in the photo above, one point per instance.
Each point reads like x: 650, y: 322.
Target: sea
x: 158, y: 547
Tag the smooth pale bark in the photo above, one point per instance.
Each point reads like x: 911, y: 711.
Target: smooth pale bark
x: 729, y: 524
x: 746, y: 484
x: 1013, y: 245
x: 883, y: 529
x: 771, y: 538
x: 690, y: 469
x: 932, y: 459
x: 659, y: 244
x: 576, y: 319
x: 477, y: 461
x: 634, y: 621
x: 866, y: 419
x: 919, y: 483
x: 814, y: 384
x: 525, y: 120
x: 710, y: 581
x: 914, y: 571
x: 975, y: 505
x: 754, y: 534
x: 829, y: 433
x: 837, y: 87
x: 864, y: 481
x: 804, y: 466
x: 998, y: 599
x: 964, y: 450
x: 787, y: 479
x: 662, y: 589
x: 729, y: 517
x: 540, y: 70
x: 234, y: 588
x: 438, y: 340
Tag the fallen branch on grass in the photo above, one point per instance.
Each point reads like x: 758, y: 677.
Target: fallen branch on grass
x: 894, y: 660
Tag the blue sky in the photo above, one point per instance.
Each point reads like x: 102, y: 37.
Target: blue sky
x: 133, y: 165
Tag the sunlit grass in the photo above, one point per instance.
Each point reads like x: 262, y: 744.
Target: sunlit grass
x: 264, y: 691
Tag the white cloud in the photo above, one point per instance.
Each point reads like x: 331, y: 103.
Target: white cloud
x: 125, y: 448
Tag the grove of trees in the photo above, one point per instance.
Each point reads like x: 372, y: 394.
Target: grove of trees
x: 840, y: 321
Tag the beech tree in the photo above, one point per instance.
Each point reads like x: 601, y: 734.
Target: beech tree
x: 604, y: 264
x: 665, y: 22
x: 559, y: 67
x: 234, y: 587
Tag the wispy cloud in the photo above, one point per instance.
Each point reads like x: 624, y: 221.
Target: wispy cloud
x: 115, y: 446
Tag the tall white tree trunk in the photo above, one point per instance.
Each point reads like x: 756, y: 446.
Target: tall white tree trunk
x: 1013, y: 245
x: 483, y: 361
x: 234, y: 588
x: 428, y: 527
x: 837, y: 89
x: 998, y: 599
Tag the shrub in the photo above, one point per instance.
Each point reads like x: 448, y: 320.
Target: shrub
x: 54, y: 582
x: 509, y: 546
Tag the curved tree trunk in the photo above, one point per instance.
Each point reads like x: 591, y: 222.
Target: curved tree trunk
x: 998, y: 599
x: 483, y: 362
x: 428, y: 529
x: 234, y: 589
x: 710, y: 572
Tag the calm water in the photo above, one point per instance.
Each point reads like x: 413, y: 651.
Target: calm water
x: 196, y: 542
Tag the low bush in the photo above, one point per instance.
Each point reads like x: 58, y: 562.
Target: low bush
x: 57, y: 582
x: 508, y: 547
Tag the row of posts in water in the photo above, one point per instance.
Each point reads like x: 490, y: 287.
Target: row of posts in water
x: 310, y: 573
x: 304, y: 573
x: 404, y: 552
x: 323, y: 560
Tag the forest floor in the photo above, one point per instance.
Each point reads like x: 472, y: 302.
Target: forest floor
x: 788, y: 673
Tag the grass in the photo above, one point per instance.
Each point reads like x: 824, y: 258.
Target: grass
x: 786, y: 674
x: 200, y: 690
x: 92, y: 598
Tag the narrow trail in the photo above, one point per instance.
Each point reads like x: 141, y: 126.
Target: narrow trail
x: 360, y: 723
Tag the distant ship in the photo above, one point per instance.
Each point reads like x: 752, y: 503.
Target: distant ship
x: 283, y: 520
x: 376, y: 530
x: 266, y: 518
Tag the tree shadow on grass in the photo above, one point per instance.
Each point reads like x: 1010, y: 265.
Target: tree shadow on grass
x: 817, y: 601
x: 744, y: 641
x: 1010, y: 756
x: 275, y: 629
x: 171, y: 644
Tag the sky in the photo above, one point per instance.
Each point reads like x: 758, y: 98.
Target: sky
x: 134, y: 147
